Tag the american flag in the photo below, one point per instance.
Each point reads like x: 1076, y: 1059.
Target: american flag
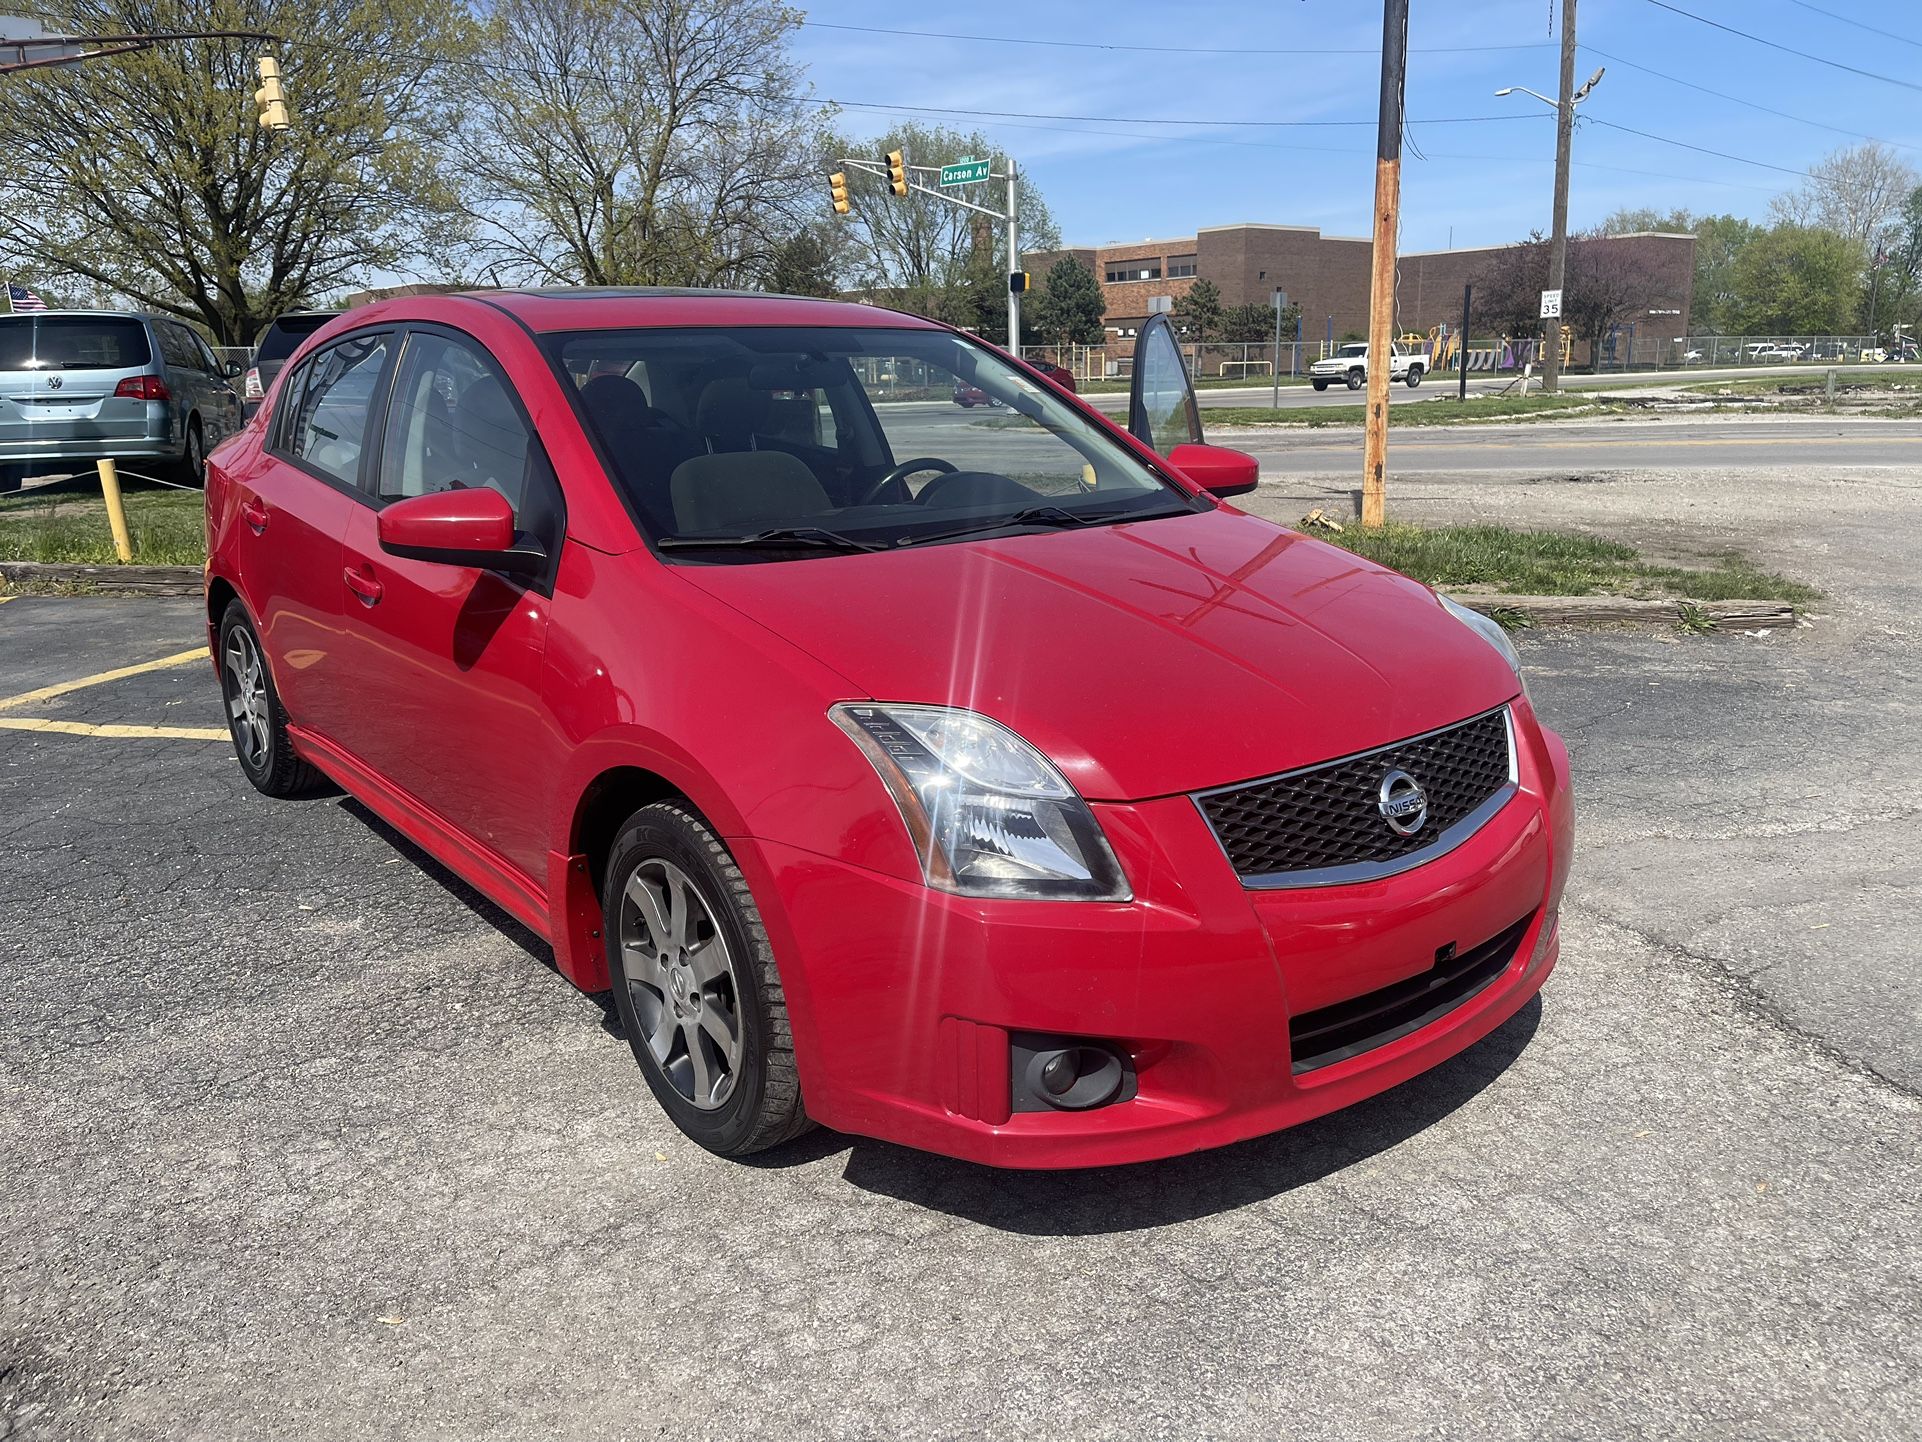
x: 23, y: 299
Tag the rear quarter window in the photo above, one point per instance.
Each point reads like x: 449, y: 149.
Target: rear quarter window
x: 283, y: 337
x: 72, y: 342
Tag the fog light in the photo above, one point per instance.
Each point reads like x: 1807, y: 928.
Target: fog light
x: 1066, y: 1074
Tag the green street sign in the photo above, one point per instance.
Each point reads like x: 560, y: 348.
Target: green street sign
x: 964, y: 172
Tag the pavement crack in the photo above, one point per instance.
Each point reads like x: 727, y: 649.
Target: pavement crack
x: 1751, y: 998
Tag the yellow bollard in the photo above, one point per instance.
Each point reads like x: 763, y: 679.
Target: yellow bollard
x: 116, y: 512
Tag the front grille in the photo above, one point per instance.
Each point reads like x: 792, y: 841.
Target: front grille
x: 1324, y: 824
x: 1349, y: 1028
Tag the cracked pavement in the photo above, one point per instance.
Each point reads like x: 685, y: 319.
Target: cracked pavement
x: 301, y: 1138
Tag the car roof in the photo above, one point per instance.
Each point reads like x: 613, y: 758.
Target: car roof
x: 621, y: 308
x: 83, y: 311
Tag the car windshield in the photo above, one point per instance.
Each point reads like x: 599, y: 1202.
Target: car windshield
x: 773, y: 443
x: 284, y: 336
x: 1354, y: 350
x: 72, y: 342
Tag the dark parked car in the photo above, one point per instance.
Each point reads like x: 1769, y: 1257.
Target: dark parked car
x: 275, y: 344
x: 77, y: 386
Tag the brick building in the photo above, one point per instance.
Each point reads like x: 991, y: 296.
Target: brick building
x: 1327, y: 275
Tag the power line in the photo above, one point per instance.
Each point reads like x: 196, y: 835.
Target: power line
x: 1156, y: 49
x: 1785, y: 49
x: 1859, y: 25
x: 1700, y: 149
x: 1739, y: 100
x: 1145, y: 119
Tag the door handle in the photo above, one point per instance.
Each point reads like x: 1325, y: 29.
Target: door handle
x: 363, y: 585
x: 255, y: 515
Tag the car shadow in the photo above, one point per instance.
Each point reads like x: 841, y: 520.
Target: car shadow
x: 1181, y: 1189
x: 1091, y: 1201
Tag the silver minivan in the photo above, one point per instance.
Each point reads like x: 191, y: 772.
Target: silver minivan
x: 80, y: 385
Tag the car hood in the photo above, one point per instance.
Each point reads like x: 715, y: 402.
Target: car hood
x: 1145, y: 659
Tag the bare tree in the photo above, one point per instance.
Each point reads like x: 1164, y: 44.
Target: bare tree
x: 146, y: 177
x: 1857, y: 192
x: 664, y: 142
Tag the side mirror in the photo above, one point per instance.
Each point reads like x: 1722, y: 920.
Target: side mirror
x: 234, y: 370
x: 460, y: 528
x: 1216, y: 469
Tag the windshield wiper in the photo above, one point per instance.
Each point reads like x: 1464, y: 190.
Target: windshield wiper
x: 772, y: 539
x: 1040, y: 516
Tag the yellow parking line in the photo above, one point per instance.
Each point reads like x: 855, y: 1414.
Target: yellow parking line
x: 7, y: 703
x: 83, y: 728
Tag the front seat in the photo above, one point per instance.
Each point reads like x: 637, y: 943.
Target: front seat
x: 644, y: 444
x: 742, y: 492
x: 731, y: 413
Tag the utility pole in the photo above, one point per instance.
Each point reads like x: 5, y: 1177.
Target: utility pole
x: 1468, y: 296
x: 1014, y: 264
x: 1558, y: 242
x: 1381, y: 289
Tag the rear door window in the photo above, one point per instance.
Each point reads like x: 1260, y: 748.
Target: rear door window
x: 328, y: 428
x: 177, y: 345
x: 72, y: 342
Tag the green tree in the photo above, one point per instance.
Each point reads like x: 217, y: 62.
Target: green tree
x: 637, y: 142
x: 805, y: 263
x: 147, y: 175
x: 1252, y: 322
x: 1797, y: 280
x: 1637, y: 219
x: 1071, y: 307
x: 1719, y: 242
x: 1199, y: 311
x: 1895, y: 284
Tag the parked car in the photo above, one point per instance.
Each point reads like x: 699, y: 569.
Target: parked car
x: 272, y: 347
x: 1349, y: 365
x: 1060, y: 375
x: 80, y: 386
x: 969, y: 396
x: 998, y: 792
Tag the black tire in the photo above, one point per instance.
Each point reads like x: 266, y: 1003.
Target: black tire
x: 1357, y: 379
x: 1319, y: 385
x: 192, y: 467
x: 762, y: 1105
x: 1414, y: 377
x: 259, y: 729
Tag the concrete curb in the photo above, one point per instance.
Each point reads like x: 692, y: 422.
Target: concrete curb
x: 1627, y: 610
x: 104, y: 580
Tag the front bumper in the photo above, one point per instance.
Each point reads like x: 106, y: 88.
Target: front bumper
x: 904, y: 998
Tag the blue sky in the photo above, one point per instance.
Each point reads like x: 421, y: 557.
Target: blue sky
x: 1482, y: 183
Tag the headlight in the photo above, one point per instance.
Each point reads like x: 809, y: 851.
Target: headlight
x: 989, y: 815
x: 1490, y: 631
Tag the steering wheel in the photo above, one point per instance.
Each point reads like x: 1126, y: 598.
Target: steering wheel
x: 900, y: 473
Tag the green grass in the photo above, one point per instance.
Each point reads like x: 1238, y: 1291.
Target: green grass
x: 1443, y: 412
x: 1559, y: 563
x: 167, y: 527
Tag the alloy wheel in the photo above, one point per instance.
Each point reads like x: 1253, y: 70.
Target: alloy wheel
x: 682, y: 983
x: 247, y: 697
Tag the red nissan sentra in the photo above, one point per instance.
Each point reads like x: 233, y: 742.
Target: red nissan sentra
x: 987, y: 786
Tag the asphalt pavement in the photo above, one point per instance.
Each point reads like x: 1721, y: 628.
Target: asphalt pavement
x: 301, y: 1138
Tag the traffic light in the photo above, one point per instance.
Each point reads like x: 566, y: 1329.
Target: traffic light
x: 898, y: 172
x: 272, y: 95
x: 838, y: 182
x: 1019, y: 282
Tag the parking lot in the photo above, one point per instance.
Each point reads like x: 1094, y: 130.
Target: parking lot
x: 301, y: 1138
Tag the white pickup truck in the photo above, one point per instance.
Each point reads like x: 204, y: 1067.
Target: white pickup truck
x: 1350, y: 366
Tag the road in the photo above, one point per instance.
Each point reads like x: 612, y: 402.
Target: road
x: 1439, y: 385
x: 301, y: 1138
x: 1672, y: 444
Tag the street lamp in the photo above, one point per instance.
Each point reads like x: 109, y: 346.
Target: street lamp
x: 1564, y: 138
